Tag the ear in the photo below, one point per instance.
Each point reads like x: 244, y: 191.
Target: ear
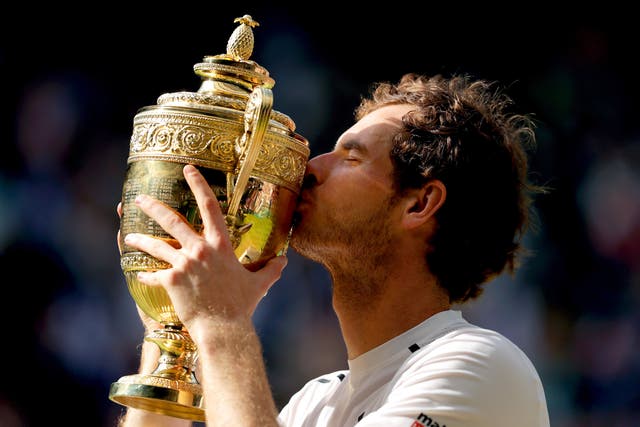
x: 421, y: 204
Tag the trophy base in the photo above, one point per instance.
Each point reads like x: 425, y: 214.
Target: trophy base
x: 174, y: 398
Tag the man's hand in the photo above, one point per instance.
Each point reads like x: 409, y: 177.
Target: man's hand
x: 214, y: 296
x: 206, y: 279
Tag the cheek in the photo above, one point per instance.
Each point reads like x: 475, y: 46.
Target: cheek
x: 352, y: 188
x: 343, y: 192
x: 353, y: 205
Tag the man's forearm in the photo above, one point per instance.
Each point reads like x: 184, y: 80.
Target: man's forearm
x: 234, y: 378
x: 140, y: 418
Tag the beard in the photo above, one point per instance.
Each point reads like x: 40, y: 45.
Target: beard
x: 354, y: 249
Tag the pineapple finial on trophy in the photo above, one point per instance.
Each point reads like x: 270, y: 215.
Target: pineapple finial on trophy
x: 240, y: 44
x: 233, y: 73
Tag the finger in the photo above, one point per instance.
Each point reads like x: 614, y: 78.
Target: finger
x: 153, y: 246
x: 170, y: 220
x: 210, y: 212
x: 119, y: 212
x: 151, y: 278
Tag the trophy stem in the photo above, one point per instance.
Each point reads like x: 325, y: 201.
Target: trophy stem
x: 178, y: 353
x: 172, y: 389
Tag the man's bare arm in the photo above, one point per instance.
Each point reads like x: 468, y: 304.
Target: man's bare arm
x: 234, y: 377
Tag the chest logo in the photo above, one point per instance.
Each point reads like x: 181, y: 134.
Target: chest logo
x: 423, y: 420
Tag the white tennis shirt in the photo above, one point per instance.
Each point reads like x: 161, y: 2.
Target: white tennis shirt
x: 443, y: 372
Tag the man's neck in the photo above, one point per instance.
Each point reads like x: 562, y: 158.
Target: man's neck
x: 396, y: 304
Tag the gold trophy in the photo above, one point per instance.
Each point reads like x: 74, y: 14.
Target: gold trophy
x: 254, y: 162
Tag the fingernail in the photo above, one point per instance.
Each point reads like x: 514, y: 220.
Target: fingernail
x: 140, y: 198
x: 130, y: 238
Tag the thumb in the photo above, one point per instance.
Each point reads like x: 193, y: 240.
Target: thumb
x: 271, y: 272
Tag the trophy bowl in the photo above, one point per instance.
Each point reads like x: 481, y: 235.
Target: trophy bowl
x: 254, y: 162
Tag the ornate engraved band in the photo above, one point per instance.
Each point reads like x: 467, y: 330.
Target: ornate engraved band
x: 200, y: 100
x: 139, y: 261
x: 155, y: 381
x: 281, y: 162
x: 211, y: 141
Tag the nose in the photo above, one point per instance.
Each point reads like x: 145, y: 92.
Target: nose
x: 316, y: 169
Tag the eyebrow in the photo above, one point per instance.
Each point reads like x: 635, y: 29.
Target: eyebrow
x: 351, y: 144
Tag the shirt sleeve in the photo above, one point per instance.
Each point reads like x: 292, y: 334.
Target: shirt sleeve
x: 309, y: 400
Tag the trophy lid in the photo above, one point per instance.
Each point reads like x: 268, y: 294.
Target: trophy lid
x: 228, y: 79
x: 235, y: 65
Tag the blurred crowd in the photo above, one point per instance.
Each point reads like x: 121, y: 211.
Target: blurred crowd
x: 72, y: 325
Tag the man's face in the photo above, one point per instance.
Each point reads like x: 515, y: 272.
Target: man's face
x: 345, y: 203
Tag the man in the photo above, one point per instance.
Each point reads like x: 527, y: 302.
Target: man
x: 421, y: 201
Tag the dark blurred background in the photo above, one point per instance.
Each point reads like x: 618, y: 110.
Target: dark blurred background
x: 73, y: 79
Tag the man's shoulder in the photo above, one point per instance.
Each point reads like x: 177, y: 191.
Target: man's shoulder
x: 472, y: 336
x: 481, y: 365
x: 475, y: 348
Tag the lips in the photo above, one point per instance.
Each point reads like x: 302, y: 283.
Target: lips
x: 300, y: 203
x: 304, y: 198
x: 297, y: 213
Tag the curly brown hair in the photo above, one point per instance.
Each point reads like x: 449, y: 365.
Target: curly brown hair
x: 463, y: 133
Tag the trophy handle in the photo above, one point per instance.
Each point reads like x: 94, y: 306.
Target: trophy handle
x: 256, y: 120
